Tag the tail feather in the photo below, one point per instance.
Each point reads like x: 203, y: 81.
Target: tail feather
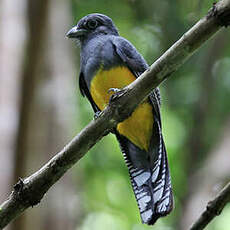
x: 150, y: 179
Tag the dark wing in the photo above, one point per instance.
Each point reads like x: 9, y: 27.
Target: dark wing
x: 85, y: 92
x: 137, y: 65
x: 149, y: 171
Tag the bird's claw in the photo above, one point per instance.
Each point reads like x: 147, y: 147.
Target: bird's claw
x: 97, y: 115
x: 116, y: 93
x: 114, y: 90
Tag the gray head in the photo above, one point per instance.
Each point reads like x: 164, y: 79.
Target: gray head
x: 91, y: 25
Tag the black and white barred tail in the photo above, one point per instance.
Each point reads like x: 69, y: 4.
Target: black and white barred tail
x: 150, y: 179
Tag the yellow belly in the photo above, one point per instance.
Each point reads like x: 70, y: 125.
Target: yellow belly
x: 138, y: 127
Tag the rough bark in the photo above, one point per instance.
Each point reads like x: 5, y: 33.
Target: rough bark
x: 29, y: 191
x: 213, y: 209
x: 201, y: 113
x: 208, y: 179
x: 36, y: 17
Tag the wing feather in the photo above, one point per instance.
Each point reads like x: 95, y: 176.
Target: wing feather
x: 150, y: 178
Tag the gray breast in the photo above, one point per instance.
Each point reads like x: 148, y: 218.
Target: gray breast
x: 98, y: 53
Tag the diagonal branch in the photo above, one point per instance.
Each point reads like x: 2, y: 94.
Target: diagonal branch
x: 29, y: 191
x: 213, y: 209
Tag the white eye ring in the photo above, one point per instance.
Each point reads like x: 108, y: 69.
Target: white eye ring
x: 92, y: 24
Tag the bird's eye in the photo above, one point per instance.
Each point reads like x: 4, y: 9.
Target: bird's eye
x: 92, y: 24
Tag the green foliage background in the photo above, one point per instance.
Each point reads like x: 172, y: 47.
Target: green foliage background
x: 152, y: 26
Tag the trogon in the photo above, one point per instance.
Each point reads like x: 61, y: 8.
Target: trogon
x: 109, y: 61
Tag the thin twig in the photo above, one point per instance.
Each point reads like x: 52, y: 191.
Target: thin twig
x: 213, y: 209
x: 29, y: 191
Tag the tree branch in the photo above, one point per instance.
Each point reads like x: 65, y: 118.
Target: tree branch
x: 37, y: 17
x: 213, y: 209
x: 29, y: 191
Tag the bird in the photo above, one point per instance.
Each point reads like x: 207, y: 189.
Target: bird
x: 108, y: 63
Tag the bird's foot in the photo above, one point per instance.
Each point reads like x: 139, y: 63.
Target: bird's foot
x: 114, y: 90
x: 116, y: 93
x: 97, y: 115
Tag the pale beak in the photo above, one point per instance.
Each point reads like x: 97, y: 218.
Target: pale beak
x: 75, y: 32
